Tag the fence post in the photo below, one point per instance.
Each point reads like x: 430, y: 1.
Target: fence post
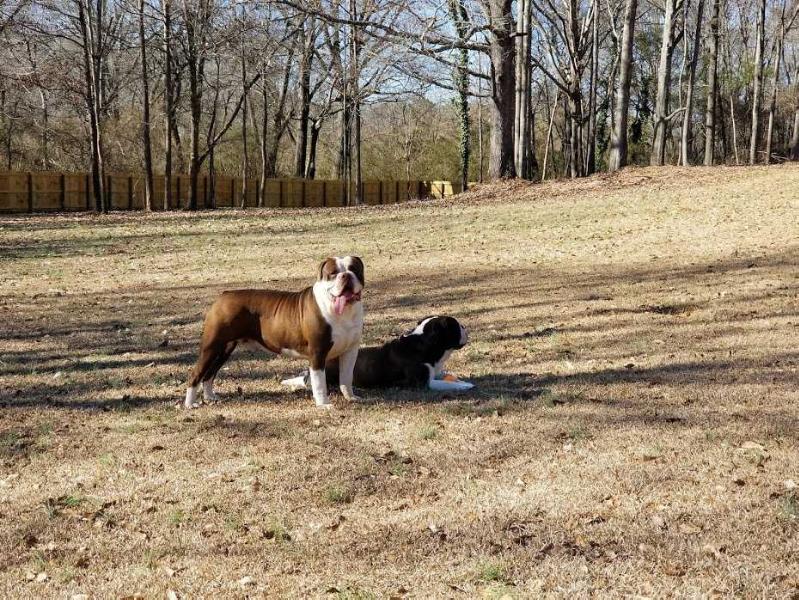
x: 302, y: 195
x: 280, y: 193
x: 30, y: 192
x: 380, y: 191
x: 205, y: 191
x: 63, y: 197
x: 88, y: 194
x: 324, y: 192
x: 396, y: 192
x: 178, y: 199
x: 130, y: 192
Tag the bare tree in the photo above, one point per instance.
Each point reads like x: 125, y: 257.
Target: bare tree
x: 712, y: 83
x: 461, y: 76
x: 785, y: 25
x: 618, y: 137
x: 669, y: 40
x: 757, y: 91
x: 685, y: 137
x: 145, y: 127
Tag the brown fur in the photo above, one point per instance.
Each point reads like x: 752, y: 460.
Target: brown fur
x: 276, y: 320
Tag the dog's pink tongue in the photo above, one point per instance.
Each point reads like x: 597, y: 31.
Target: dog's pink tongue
x: 339, y: 304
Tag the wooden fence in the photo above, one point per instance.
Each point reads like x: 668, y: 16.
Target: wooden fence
x: 36, y: 191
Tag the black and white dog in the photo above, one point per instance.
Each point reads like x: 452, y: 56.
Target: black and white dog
x: 415, y: 359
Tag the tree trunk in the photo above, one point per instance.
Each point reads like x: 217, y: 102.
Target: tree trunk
x: 503, y: 76
x: 575, y: 125
x: 356, y: 105
x: 773, y: 102
x: 685, y: 138
x: 461, y: 76
x: 195, y: 23
x: 168, y: 103
x: 712, y: 84
x: 523, y: 99
x: 618, y: 137
x: 757, y: 92
x: 46, y: 163
x: 772, y: 108
x: 195, y: 101
x: 663, y: 86
x: 307, y: 39
x: 264, y: 133
x: 549, y: 134
x: 245, y: 162
x: 734, y: 131
x: 145, y: 126
x: 313, y: 145
x: 6, y: 123
x: 590, y: 157
x: 92, y: 59
x: 794, y: 154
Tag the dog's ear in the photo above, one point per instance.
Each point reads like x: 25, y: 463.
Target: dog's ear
x: 356, y: 266
x: 326, y: 267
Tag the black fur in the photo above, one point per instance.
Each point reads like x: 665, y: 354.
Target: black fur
x: 402, y: 362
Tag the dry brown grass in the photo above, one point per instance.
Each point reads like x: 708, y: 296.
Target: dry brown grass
x: 634, y: 424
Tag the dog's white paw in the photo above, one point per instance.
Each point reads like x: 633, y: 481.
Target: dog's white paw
x: 325, y: 406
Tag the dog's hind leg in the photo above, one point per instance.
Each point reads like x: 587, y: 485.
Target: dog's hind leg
x: 208, y: 356
x: 210, y: 376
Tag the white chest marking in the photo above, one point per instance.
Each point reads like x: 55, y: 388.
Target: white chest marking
x: 290, y: 352
x: 346, y: 329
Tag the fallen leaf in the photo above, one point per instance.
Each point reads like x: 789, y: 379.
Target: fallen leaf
x: 247, y: 580
x: 689, y: 529
x: 674, y: 570
x: 752, y: 446
x: 336, y: 523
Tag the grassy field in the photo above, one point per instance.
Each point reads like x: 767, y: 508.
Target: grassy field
x: 633, y: 430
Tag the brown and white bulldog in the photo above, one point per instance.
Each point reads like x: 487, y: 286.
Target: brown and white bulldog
x: 321, y: 322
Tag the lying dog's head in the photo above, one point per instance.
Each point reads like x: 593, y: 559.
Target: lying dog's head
x: 343, y: 280
x: 444, y: 333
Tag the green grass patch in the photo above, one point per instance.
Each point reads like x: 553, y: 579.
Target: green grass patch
x: 337, y: 494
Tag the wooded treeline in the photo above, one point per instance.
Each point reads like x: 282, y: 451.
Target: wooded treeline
x: 393, y: 89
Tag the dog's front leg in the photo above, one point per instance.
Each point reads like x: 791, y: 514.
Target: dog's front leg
x: 319, y: 381
x: 346, y: 367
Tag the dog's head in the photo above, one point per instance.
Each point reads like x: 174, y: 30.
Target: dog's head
x: 342, y: 279
x: 444, y: 333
